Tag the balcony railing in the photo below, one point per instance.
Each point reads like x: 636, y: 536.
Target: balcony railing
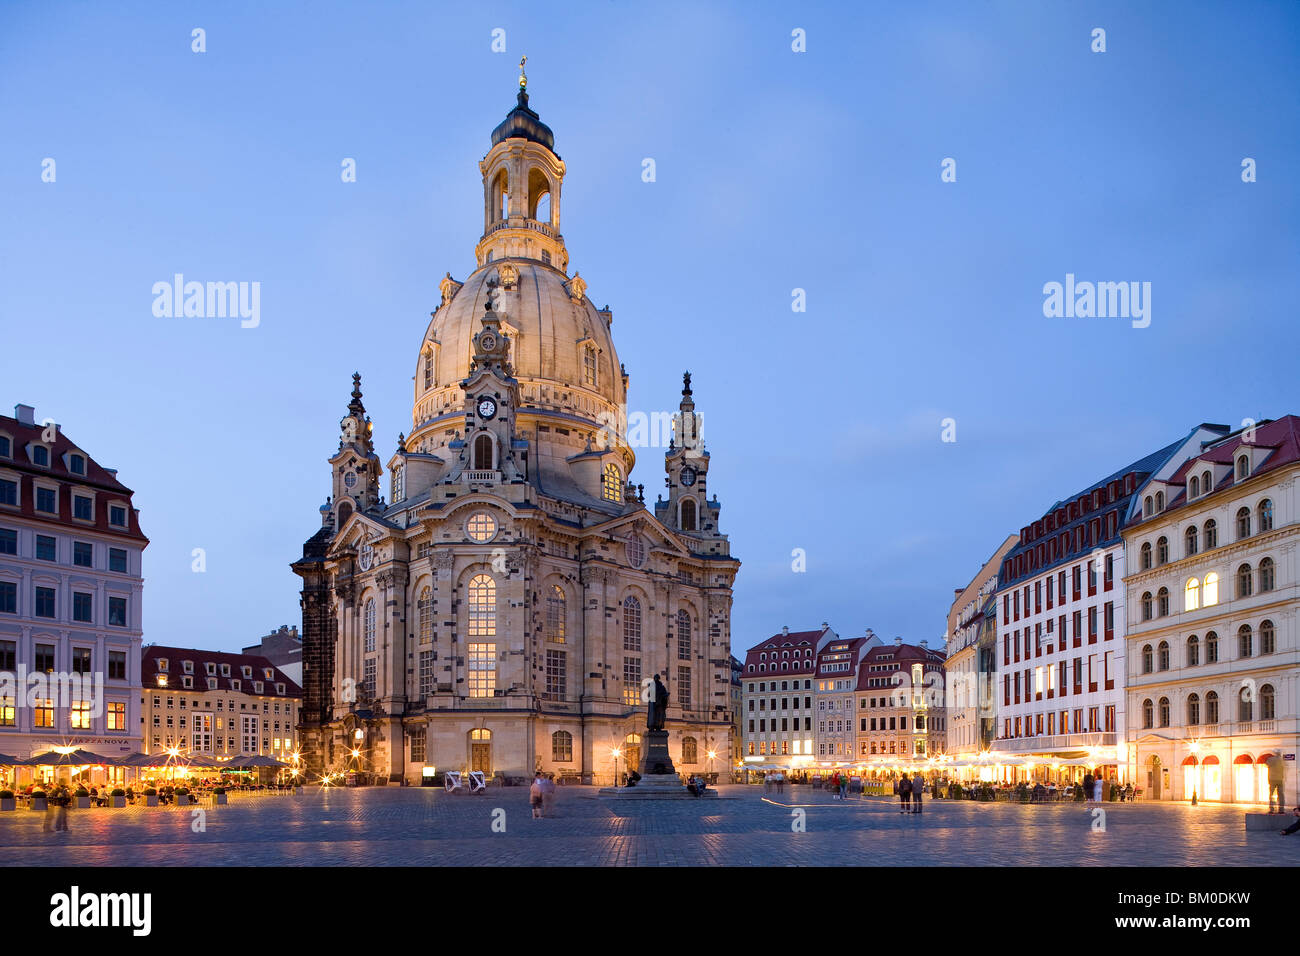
x: 1054, y: 742
x: 483, y: 477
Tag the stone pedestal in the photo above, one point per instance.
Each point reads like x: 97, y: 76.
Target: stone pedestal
x: 655, y: 760
x: 1269, y: 821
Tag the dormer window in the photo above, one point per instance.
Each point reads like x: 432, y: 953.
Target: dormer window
x: 187, y: 667
x: 268, y: 673
x: 162, y: 663
x: 40, y: 456
x: 210, y: 668
x: 188, y: 684
x: 6, y: 447
x: 117, y: 516
x: 1243, y: 467
x: 589, y: 366
x: 257, y: 687
x: 225, y: 670
x: 212, y: 683
x: 279, y: 689
x: 235, y: 684
x: 246, y: 671
x: 77, y: 464
x: 611, y: 486
x: 162, y: 680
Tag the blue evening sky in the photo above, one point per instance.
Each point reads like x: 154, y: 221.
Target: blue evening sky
x: 776, y: 170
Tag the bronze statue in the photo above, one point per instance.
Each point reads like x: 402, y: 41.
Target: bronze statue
x: 658, y: 706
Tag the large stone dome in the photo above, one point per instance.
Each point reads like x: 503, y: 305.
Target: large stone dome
x: 556, y: 335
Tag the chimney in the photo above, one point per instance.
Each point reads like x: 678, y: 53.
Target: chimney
x: 898, y: 642
x: 25, y: 414
x: 924, y: 642
x: 785, y: 632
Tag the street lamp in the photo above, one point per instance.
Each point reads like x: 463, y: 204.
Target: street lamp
x: 615, y: 753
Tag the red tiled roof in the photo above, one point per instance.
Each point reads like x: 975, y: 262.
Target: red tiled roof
x: 149, y: 671
x: 901, y: 654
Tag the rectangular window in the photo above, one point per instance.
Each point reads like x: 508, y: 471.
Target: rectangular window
x: 1092, y: 578
x: 116, y: 715
x: 117, y: 665
x: 8, y: 492
x: 79, y: 714
x: 8, y: 716
x: 1109, y: 620
x: 1110, y: 719
x: 117, y: 611
x: 684, y: 686
x: 8, y: 656
x: 43, y: 713
x: 1078, y: 675
x: 81, y: 507
x: 418, y: 745
x: 557, y: 678
x: 8, y: 597
x: 117, y: 560
x: 81, y: 603
x: 1110, y: 572
x: 45, y: 602
x: 83, y: 554
x: 201, y: 733
x: 249, y: 733
x: 1078, y: 628
x: 481, y: 665
x: 1050, y: 582
x: 426, y: 675
x: 368, y: 668
x: 47, y: 500
x: 117, y: 516
x: 1092, y: 625
x: 631, y: 681
x: 1078, y: 582
x: 1092, y: 720
x: 46, y: 548
x: 81, y: 660
x: 8, y: 541
x: 6, y: 449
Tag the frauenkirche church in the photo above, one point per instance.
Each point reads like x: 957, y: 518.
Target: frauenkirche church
x: 505, y: 606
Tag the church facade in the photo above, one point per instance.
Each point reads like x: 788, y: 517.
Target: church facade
x: 504, y: 604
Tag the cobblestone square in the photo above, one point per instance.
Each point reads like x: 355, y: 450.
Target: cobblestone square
x: 427, y: 827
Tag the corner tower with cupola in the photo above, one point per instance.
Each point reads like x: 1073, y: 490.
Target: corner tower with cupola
x: 503, y: 610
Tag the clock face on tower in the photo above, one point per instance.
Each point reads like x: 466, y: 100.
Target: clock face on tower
x: 688, y: 476
x: 487, y: 407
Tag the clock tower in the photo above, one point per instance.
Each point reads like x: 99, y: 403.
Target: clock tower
x: 355, y: 465
x: 490, y: 452
x: 687, y: 464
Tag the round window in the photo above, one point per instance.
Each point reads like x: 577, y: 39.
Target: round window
x: 367, y: 557
x: 481, y: 526
x: 635, y: 548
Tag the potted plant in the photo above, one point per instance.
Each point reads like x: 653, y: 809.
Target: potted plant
x: 219, y: 796
x: 7, y: 801
x: 150, y: 796
x: 83, y: 798
x: 183, y: 795
x: 39, y: 800
x: 117, y: 797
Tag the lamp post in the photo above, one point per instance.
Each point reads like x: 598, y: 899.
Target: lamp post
x: 614, y: 752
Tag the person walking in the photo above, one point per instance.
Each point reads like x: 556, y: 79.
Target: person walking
x: 905, y: 795
x: 1276, y: 775
x: 918, y: 788
x: 536, y: 796
x: 1097, y: 785
x: 1087, y: 787
x: 844, y: 786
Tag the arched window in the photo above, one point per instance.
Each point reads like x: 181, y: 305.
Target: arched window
x: 1192, y: 595
x: 1189, y: 541
x: 483, y: 447
x: 1267, y: 637
x: 1243, y: 467
x: 1245, y: 704
x: 1211, y: 534
x: 1245, y: 641
x: 1160, y: 501
x: 688, y: 514
x: 1162, y: 550
x: 1210, y: 593
x: 370, y: 625
x: 1194, y: 489
x: 1164, y: 711
x: 690, y: 750
x: 1148, y: 659
x: 1193, y: 651
x: 1146, y: 506
x: 1206, y: 484
x: 683, y: 636
x: 562, y: 746
x: 1148, y: 714
x: 1146, y: 556
x: 1211, y: 708
x: 1146, y: 606
x: 1243, y: 522
x: 1267, y: 703
x: 428, y: 369
x: 1162, y: 655
x: 1162, y: 602
x: 556, y: 606
x: 424, y: 613
x: 1266, y: 576
x: 482, y: 612
x: 1193, y: 710
x: 1265, y: 515
x: 631, y: 623
x: 1212, y: 649
x: 611, y: 487
x: 345, y: 512
x: 1244, y: 581
x: 589, y: 366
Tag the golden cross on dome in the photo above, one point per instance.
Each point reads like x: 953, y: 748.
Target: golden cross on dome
x: 523, y: 78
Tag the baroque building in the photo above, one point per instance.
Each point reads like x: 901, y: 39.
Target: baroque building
x: 504, y: 606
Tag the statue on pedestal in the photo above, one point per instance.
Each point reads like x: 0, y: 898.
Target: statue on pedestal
x: 657, y: 707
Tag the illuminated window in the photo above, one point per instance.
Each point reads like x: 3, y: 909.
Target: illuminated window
x: 482, y: 612
x: 1192, y: 595
x: 555, y: 614
x: 425, y: 615
x: 690, y: 750
x: 80, y: 715
x: 612, y: 484
x: 631, y: 681
x: 562, y: 746
x: 43, y: 712
x: 481, y: 665
x: 481, y: 526
x: 1210, y: 593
